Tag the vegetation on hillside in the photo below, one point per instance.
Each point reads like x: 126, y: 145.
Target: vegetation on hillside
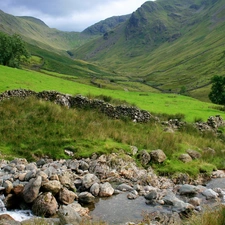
x: 170, y: 48
x: 217, y: 94
x: 33, y: 129
x: 155, y: 103
x: 36, y: 32
x: 12, y: 50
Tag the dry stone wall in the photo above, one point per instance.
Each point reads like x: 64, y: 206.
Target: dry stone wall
x: 80, y: 101
x: 117, y: 112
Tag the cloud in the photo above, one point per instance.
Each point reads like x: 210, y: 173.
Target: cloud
x: 70, y: 15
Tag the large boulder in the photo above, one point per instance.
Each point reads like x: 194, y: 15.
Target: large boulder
x: 86, y: 197
x: 178, y: 205
x: 82, y: 211
x: 95, y: 188
x: 188, y: 189
x: 194, y: 154
x: 8, y: 186
x: 67, y: 180
x: 66, y: 196
x: 45, y: 205
x: 68, y: 215
x: 158, y: 156
x: 185, y: 158
x: 124, y: 187
x: 144, y: 157
x: 89, y: 179
x: 210, y: 194
x: 106, y: 190
x: 52, y: 186
x: 31, y: 189
x: 152, y: 195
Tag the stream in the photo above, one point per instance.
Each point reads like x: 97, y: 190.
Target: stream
x: 116, y: 210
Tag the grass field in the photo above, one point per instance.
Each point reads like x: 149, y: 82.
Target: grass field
x: 156, y: 103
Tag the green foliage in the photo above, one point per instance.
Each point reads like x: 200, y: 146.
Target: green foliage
x: 217, y: 94
x: 183, y: 90
x: 12, y: 50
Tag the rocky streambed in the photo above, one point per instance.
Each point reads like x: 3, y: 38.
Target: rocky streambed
x: 107, y: 187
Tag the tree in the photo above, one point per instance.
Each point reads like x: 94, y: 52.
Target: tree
x: 217, y: 94
x: 12, y: 50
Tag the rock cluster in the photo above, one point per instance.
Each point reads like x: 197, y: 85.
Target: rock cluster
x: 61, y: 187
x: 79, y: 101
x: 212, y: 124
x: 189, y: 156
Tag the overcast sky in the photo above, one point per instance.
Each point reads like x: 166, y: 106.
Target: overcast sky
x: 70, y: 15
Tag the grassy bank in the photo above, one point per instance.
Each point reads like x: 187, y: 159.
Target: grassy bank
x: 32, y: 129
x: 156, y: 103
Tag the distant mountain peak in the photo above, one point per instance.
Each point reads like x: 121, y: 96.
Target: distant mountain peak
x: 106, y: 25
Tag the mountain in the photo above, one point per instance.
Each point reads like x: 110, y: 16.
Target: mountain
x: 106, y: 25
x: 170, y: 45
x: 36, y: 32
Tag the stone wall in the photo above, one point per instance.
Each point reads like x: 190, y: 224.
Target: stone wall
x: 80, y: 101
x: 117, y: 112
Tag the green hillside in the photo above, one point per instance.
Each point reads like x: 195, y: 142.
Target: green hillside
x: 36, y: 32
x: 167, y: 44
x: 34, y: 129
x: 155, y: 103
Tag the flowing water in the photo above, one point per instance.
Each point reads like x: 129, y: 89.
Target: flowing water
x: 119, y: 210
x: 18, y: 215
x: 116, y: 209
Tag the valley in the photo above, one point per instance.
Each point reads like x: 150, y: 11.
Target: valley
x: 126, y: 99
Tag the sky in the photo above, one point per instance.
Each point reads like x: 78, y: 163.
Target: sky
x: 70, y: 15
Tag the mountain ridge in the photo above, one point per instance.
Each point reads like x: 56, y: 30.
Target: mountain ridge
x: 167, y: 45
x: 170, y: 46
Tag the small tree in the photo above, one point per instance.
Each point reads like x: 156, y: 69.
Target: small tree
x: 12, y: 50
x: 217, y: 94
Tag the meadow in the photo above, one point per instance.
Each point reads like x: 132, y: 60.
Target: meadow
x: 32, y: 129
x: 155, y: 103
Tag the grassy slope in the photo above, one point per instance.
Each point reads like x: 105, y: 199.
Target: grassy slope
x: 35, y: 32
x: 191, y: 60
x: 156, y: 103
x: 31, y: 128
